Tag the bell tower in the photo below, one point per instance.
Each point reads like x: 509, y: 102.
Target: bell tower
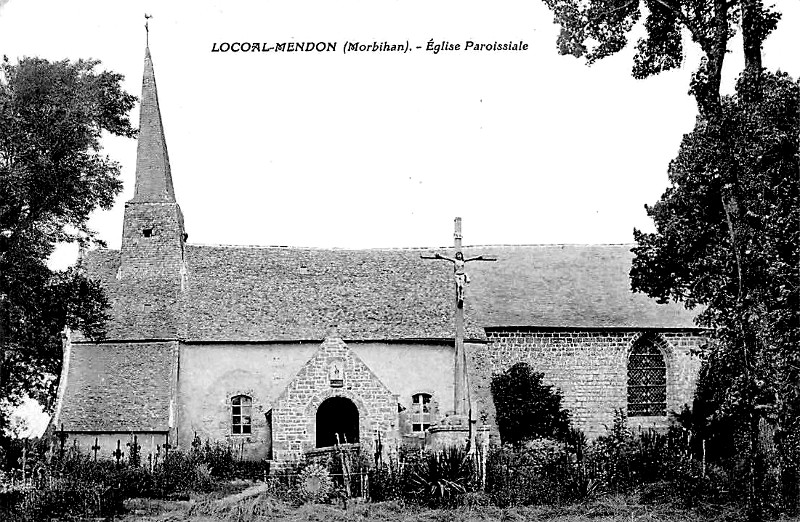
x: 153, y: 236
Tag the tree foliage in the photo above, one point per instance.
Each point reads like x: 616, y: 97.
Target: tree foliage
x: 526, y: 407
x: 52, y: 176
x: 728, y: 231
x: 728, y: 238
x: 595, y: 29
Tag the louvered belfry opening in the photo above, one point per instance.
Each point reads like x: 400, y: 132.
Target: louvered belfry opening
x: 647, y: 380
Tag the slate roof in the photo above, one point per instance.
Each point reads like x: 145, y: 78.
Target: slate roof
x: 119, y: 387
x: 566, y: 286
x: 284, y: 293
x: 153, y: 173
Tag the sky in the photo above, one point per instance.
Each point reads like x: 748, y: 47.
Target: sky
x: 363, y: 150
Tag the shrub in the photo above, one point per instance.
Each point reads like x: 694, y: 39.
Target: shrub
x: 660, y: 463
x: 441, y: 478
x: 385, y: 483
x: 611, y: 454
x: 527, y: 408
x: 542, y: 471
x: 219, y: 459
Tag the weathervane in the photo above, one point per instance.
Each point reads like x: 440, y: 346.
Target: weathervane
x: 147, y: 18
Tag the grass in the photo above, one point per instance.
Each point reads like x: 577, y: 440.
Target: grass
x: 267, y: 508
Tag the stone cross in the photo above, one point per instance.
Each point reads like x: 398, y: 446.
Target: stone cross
x: 133, y: 453
x: 461, y: 398
x: 95, y: 448
x: 167, y: 446
x: 62, y: 437
x: 118, y: 453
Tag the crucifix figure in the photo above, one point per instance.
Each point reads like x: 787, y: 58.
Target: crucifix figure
x: 459, y: 271
x: 461, y: 399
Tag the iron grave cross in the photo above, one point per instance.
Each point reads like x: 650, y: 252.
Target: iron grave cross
x: 461, y: 398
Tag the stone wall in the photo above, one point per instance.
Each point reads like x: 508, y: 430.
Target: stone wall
x: 152, y: 242
x: 294, y: 422
x: 211, y: 374
x: 589, y: 367
x: 407, y: 369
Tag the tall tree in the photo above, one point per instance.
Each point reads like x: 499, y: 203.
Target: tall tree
x: 728, y: 230
x: 727, y: 238
x: 52, y: 176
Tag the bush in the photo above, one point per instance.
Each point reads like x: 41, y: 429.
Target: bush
x: 432, y: 478
x: 542, y: 471
x: 219, y: 459
x: 442, y: 478
x: 526, y: 408
x: 662, y: 463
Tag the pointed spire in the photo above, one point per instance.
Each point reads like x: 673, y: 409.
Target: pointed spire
x: 153, y: 176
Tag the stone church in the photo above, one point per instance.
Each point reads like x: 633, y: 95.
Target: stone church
x: 281, y: 351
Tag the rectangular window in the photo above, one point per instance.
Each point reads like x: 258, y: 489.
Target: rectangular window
x: 420, y: 412
x: 241, y: 409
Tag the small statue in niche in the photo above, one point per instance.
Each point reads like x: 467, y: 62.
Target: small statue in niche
x: 336, y: 374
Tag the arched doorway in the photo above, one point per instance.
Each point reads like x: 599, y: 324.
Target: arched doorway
x: 336, y: 415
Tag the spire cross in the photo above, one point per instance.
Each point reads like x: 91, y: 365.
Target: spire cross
x: 461, y: 398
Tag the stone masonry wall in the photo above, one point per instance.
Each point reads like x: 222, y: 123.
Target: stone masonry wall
x: 294, y: 414
x: 589, y: 367
x: 160, y: 254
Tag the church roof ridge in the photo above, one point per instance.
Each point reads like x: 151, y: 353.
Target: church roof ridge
x: 299, y: 247
x: 515, y: 245
x: 409, y: 248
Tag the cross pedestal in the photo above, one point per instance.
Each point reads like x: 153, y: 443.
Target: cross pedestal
x: 457, y: 428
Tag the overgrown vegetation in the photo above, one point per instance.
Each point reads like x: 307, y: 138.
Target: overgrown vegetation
x: 526, y: 407
x: 660, y: 466
x: 727, y: 226
x: 78, y: 485
x: 657, y: 469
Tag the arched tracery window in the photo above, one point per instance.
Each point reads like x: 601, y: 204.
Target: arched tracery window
x: 241, y: 411
x: 647, y: 380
